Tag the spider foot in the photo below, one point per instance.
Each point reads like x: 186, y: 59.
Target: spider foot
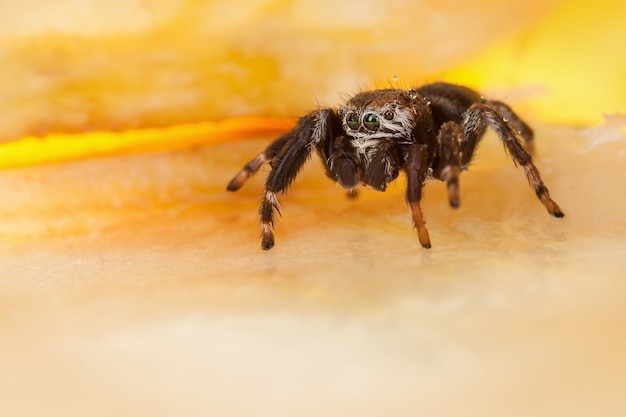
x: 453, y: 191
x: 558, y: 213
x: 269, y: 208
x: 542, y: 191
x: 246, y: 172
x: 238, y: 181
x: 267, y: 237
x: 550, y: 205
x: 352, y: 193
x: 418, y: 221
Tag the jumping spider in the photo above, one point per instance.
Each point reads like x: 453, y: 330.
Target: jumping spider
x: 428, y: 132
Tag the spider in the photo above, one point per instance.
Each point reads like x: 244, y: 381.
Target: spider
x: 428, y: 132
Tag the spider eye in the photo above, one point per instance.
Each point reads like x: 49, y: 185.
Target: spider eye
x: 371, y: 121
x: 353, y: 120
x: 388, y: 115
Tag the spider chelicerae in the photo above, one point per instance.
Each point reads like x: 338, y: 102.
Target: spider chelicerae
x: 428, y: 132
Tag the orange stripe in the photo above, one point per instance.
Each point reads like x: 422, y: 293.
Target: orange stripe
x: 57, y: 148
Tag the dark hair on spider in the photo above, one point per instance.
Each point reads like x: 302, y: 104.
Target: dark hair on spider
x: 428, y: 132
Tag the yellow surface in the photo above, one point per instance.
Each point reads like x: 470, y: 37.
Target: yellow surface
x: 135, y: 286
x: 571, y: 63
x: 157, y: 63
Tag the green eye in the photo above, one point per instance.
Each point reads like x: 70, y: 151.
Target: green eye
x: 371, y: 121
x: 353, y: 121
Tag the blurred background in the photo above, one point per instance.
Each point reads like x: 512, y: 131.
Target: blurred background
x: 75, y: 65
x: 132, y: 284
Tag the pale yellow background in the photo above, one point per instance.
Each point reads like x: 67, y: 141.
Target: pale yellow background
x: 75, y: 65
x: 134, y: 285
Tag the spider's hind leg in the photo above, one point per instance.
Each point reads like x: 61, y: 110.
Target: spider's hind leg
x: 516, y: 123
x: 473, y: 121
x: 449, y: 139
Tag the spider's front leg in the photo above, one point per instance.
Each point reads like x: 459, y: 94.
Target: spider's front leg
x: 416, y: 168
x: 253, y: 166
x: 311, y: 130
x: 473, y: 121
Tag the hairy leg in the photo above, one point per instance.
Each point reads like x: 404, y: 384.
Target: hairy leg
x: 474, y: 119
x: 255, y: 164
x: 516, y: 123
x: 311, y: 130
x: 449, y: 139
x: 417, y: 166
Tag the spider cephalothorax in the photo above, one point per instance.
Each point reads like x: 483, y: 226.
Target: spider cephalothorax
x: 376, y: 125
x: 430, y: 132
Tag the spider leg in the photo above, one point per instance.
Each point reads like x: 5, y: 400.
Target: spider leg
x: 516, y: 123
x: 310, y: 131
x: 416, y: 168
x: 253, y: 166
x: 353, y: 193
x: 449, y: 139
x: 473, y: 121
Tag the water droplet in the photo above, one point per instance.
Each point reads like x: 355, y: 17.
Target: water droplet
x: 413, y: 94
x: 395, y: 78
x: 505, y: 120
